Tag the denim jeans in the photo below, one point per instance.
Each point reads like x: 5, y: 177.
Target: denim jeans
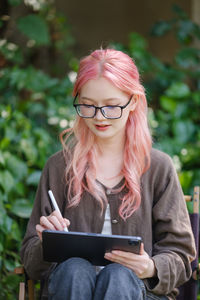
x: 76, y: 279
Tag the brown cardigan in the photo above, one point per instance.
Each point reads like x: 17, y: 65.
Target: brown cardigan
x: 162, y: 221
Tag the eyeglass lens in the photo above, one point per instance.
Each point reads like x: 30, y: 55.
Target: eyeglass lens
x: 107, y: 111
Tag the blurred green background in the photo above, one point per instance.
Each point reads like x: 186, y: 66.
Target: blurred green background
x: 36, y: 104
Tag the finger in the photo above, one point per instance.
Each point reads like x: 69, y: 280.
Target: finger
x: 134, y: 258
x: 115, y: 258
x: 46, y: 223
x: 124, y: 254
x: 119, y: 261
x: 67, y: 222
x: 57, y: 214
x: 127, y: 258
x: 132, y: 266
x: 39, y: 230
x: 142, y: 249
x: 56, y: 222
x: 60, y: 218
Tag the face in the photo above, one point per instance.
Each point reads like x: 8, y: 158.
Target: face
x: 101, y: 92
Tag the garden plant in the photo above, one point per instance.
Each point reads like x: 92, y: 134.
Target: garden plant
x: 36, y: 104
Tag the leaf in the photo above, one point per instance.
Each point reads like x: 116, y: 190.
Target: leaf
x: 21, y: 208
x: 189, y: 154
x: 29, y: 149
x: 20, y: 188
x: 137, y: 42
x: 14, y: 2
x: 37, y: 80
x: 1, y: 247
x: 35, y: 28
x: 2, y: 160
x: 15, y: 233
x: 185, y: 31
x: 168, y: 145
x: 168, y: 104
x: 179, y: 11
x: 34, y: 178
x: 183, y: 130
x: 178, y: 90
x: 196, y: 97
x: 197, y: 31
x: 161, y: 28
x: 188, y: 57
x: 185, y: 178
x: 2, y: 210
x: 9, y: 264
x: 6, y: 181
x: 4, y: 143
x: 6, y: 224
x: 181, y: 110
x: 10, y: 133
x: 16, y: 166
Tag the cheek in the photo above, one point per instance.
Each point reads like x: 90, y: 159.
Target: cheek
x: 124, y: 119
x: 88, y: 123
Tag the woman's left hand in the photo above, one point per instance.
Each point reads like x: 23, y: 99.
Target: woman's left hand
x: 141, y: 264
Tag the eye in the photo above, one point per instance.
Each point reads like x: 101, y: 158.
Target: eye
x: 111, y: 107
x: 85, y: 104
x: 113, y: 104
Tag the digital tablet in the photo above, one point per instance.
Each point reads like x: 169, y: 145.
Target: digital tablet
x: 60, y: 245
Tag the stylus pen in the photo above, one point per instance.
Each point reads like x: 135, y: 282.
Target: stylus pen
x: 55, y: 205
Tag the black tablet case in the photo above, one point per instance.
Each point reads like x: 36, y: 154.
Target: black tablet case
x: 59, y: 245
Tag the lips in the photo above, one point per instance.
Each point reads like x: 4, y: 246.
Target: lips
x: 102, y: 127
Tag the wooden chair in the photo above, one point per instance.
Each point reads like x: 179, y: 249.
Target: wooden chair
x: 26, y: 286
x: 188, y: 291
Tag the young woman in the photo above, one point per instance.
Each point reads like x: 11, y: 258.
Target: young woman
x: 108, y: 179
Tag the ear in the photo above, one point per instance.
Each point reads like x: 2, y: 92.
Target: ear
x: 134, y: 102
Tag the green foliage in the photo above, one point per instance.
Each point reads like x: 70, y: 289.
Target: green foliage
x: 34, y: 108
x: 31, y: 118
x: 173, y: 91
x: 35, y: 28
x: 14, y: 2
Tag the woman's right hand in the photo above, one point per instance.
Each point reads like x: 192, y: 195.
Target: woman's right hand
x: 53, y: 222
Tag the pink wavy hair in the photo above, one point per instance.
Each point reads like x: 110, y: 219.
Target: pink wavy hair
x: 79, y: 145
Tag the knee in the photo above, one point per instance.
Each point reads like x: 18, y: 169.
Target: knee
x: 115, y: 271
x: 76, y: 266
x: 122, y: 280
x: 71, y: 275
x: 119, y: 273
x: 76, y: 262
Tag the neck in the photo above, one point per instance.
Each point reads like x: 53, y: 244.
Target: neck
x: 110, y: 161
x: 114, y: 147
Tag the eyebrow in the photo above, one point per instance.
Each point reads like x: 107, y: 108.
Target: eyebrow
x: 107, y: 99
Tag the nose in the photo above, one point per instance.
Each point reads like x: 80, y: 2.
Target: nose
x: 99, y: 115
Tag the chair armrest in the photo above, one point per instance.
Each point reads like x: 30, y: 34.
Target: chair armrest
x: 19, y: 270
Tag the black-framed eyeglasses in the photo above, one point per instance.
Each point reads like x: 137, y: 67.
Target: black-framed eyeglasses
x: 108, y: 111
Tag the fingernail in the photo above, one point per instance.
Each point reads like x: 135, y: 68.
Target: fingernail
x: 107, y: 254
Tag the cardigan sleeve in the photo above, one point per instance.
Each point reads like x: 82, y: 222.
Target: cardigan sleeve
x: 173, y: 242
x: 31, y: 250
